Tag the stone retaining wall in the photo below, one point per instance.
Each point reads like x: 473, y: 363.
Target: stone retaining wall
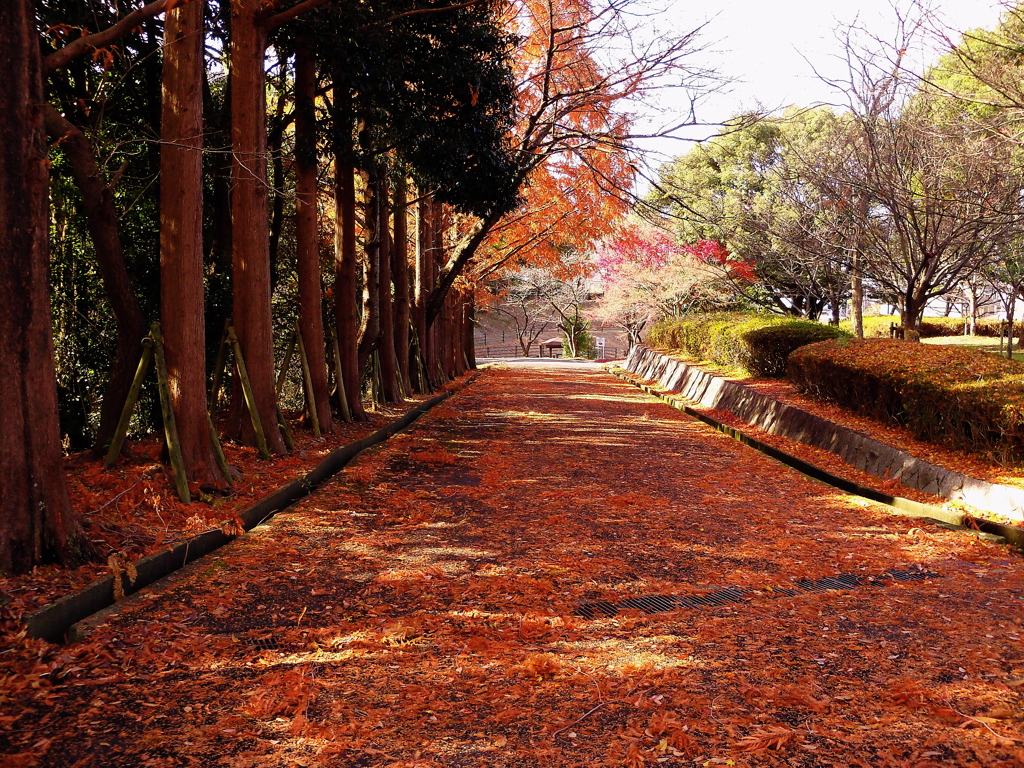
x: 854, y: 448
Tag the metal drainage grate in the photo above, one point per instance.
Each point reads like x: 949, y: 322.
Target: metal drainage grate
x: 264, y: 643
x: 720, y: 597
x: 649, y: 604
x: 828, y: 583
x: 663, y: 603
x: 911, y: 575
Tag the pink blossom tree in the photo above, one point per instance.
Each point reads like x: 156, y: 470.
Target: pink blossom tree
x: 647, y: 276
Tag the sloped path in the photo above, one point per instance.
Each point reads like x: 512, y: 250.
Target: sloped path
x: 422, y: 611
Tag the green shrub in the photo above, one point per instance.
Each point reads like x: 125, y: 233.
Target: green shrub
x: 586, y: 344
x: 758, y: 344
x: 944, y: 394
x: 768, y: 349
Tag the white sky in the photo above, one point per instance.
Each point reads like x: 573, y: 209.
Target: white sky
x: 770, y: 47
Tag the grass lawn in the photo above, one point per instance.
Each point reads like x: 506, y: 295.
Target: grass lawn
x: 983, y: 343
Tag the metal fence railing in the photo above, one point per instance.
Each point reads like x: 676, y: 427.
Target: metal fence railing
x: 502, y: 351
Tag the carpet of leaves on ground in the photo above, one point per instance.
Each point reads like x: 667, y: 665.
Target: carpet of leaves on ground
x: 421, y: 612
x: 132, y: 510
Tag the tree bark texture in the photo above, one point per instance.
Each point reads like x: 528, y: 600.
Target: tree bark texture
x: 400, y: 278
x: 369, y: 325
x: 36, y: 520
x: 440, y: 329
x: 346, y: 308
x: 307, y: 236
x: 856, y: 276
x: 385, y: 307
x: 422, y: 282
x: 181, y: 238
x: 450, y: 271
x: 101, y: 219
x: 250, y: 233
x: 470, y: 337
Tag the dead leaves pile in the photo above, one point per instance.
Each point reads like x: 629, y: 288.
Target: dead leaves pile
x: 419, y: 613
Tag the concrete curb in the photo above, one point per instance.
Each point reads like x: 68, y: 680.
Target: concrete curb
x: 52, y: 622
x: 988, y: 530
x: 859, y: 450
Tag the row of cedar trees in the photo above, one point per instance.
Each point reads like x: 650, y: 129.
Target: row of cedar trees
x: 396, y: 298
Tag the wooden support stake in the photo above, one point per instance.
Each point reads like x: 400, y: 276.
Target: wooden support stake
x: 218, y: 452
x: 376, y: 385
x: 401, y: 389
x: 421, y: 366
x: 379, y: 370
x: 129, y: 404
x: 283, y: 375
x: 286, y: 431
x: 371, y: 382
x: 343, y: 409
x: 307, y: 383
x: 250, y: 401
x: 170, y: 427
x: 218, y: 367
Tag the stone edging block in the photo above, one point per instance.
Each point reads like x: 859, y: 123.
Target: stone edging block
x: 859, y: 450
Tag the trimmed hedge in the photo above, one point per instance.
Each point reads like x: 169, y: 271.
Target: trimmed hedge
x: 877, y: 326
x: 759, y: 344
x: 943, y: 394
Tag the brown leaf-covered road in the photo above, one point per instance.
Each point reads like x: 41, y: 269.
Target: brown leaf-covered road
x: 422, y: 611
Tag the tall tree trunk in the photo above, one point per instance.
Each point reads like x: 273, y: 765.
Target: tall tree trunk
x: 856, y: 277
x: 36, y: 520
x: 441, y: 330
x: 1011, y: 307
x: 912, y: 309
x: 101, y: 219
x: 307, y: 236
x: 451, y: 271
x: 181, y: 237
x: 453, y: 344
x: 346, y: 308
x: 369, y: 326
x: 972, y: 307
x: 836, y: 306
x: 400, y: 277
x: 385, y: 307
x: 469, y: 345
x: 458, y: 333
x: 422, y: 281
x: 250, y: 233
x: 274, y: 141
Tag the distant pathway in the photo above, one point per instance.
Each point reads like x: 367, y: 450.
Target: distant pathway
x: 423, y: 610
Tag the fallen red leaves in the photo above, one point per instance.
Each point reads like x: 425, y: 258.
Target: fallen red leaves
x: 131, y: 510
x: 421, y: 613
